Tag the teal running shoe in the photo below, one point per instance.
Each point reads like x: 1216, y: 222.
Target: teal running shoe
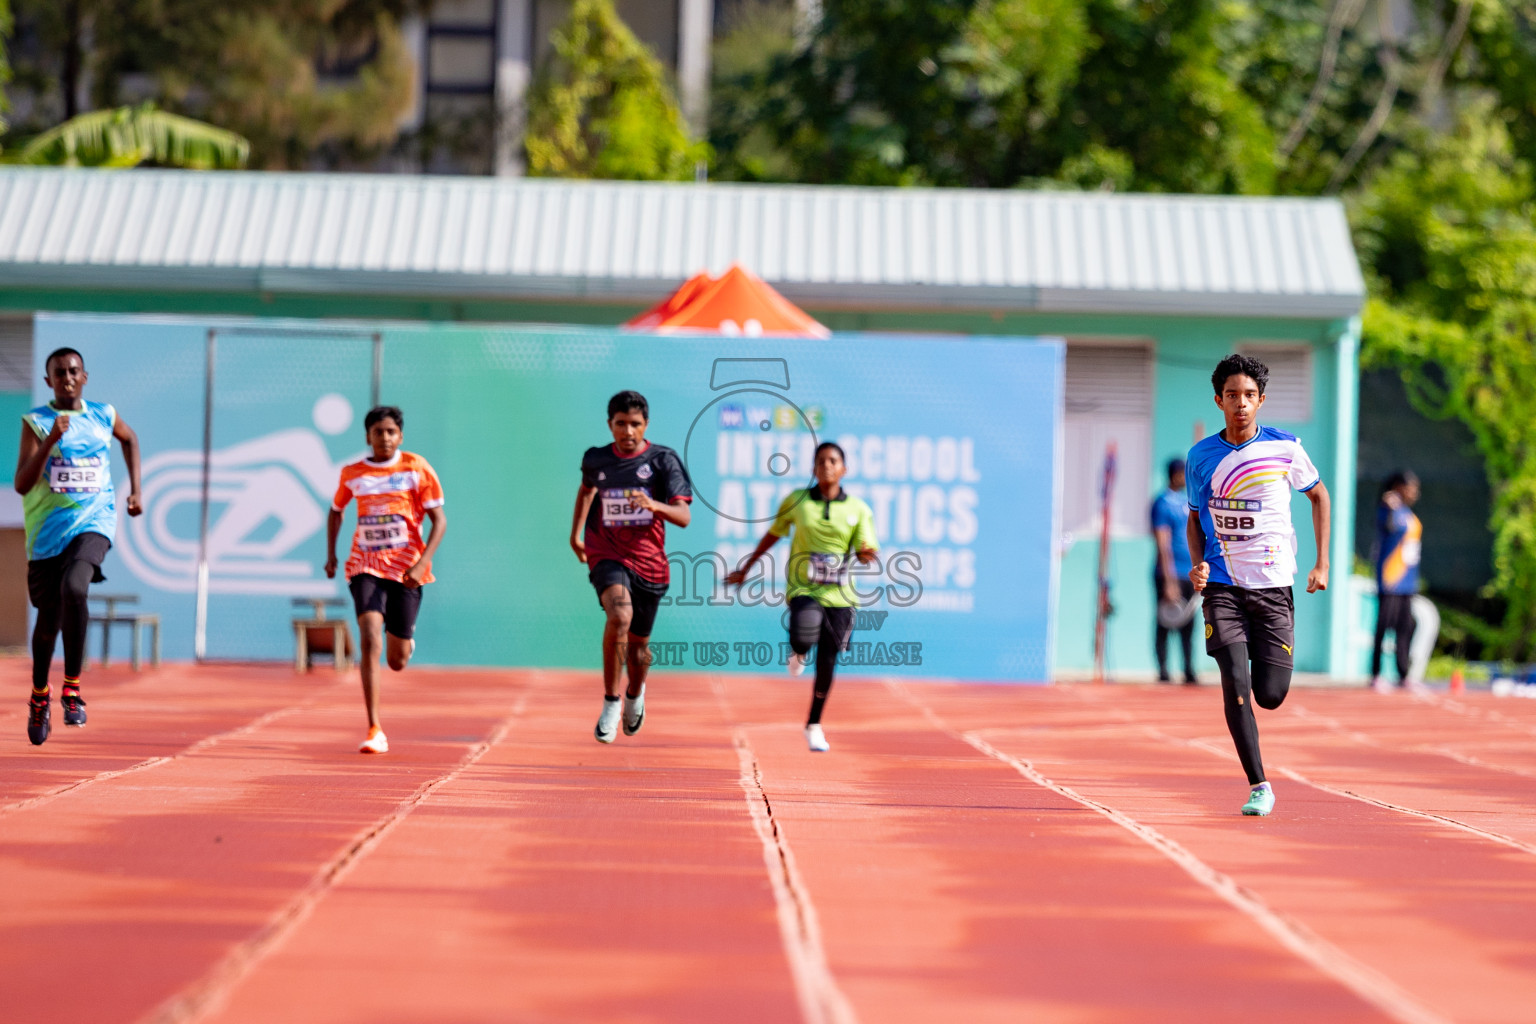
x: 1260, y: 802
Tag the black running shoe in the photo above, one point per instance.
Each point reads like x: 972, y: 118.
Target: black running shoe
x: 74, y: 707
x: 38, y: 720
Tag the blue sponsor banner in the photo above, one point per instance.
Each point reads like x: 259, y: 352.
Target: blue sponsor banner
x: 952, y: 441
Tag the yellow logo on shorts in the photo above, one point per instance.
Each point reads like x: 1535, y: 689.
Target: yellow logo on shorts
x: 1287, y: 648
x: 1210, y: 630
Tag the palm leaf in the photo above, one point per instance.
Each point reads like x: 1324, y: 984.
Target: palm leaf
x: 128, y: 136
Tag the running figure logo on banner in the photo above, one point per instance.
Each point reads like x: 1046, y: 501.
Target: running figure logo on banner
x: 267, y: 498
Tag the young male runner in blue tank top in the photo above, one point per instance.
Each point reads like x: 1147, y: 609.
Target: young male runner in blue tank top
x: 64, y: 475
x: 1240, y: 484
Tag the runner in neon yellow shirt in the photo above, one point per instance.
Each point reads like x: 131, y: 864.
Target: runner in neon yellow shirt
x: 830, y: 528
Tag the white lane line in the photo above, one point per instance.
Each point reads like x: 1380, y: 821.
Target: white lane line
x: 1295, y: 776
x: 1365, y: 982
x: 209, y: 994
x: 200, y: 745
x: 821, y: 1001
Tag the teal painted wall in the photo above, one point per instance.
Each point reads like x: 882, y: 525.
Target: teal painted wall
x: 1186, y: 350
x: 12, y: 406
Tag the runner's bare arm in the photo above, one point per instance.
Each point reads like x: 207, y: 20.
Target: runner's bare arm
x: 1322, y: 507
x: 738, y: 577
x: 1164, y: 535
x: 130, y: 442
x: 32, y: 456
x: 1202, y: 569
x: 332, y: 529
x: 677, y: 512
x: 584, y: 496
x: 423, y: 565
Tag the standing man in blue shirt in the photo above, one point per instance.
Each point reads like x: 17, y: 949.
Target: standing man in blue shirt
x: 1171, y: 585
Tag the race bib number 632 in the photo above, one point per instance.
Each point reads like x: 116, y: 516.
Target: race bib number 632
x: 76, y: 476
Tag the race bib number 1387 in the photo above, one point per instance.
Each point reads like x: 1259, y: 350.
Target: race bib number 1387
x: 618, y: 510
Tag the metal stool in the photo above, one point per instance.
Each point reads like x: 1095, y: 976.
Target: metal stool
x: 137, y: 620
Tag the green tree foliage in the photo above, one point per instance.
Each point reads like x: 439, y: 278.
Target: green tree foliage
x: 292, y: 76
x: 130, y: 136
x: 602, y: 106
x: 1447, y: 232
x: 5, y: 64
x: 999, y: 92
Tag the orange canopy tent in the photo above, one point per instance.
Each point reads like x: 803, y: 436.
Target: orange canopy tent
x: 737, y: 302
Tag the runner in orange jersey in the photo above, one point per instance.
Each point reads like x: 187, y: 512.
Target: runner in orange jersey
x: 395, y: 491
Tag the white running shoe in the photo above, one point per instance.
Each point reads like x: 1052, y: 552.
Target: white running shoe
x: 816, y: 739
x: 796, y: 663
x: 376, y: 743
x: 634, y: 712
x: 608, y: 722
x: 1381, y: 685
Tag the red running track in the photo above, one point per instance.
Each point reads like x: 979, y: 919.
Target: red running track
x: 212, y: 848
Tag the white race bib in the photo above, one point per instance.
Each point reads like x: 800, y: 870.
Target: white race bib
x: 76, y: 476
x: 382, y: 533
x: 619, y: 511
x: 827, y: 568
x: 1235, y: 518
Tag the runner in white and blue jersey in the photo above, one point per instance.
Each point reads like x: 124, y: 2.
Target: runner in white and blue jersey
x: 64, y: 475
x: 1240, y: 483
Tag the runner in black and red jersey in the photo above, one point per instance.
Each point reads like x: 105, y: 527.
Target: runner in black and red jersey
x: 629, y: 491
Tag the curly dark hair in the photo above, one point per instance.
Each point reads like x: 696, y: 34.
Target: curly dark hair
x: 1245, y: 365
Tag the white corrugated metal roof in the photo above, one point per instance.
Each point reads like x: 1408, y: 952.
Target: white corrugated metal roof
x: 630, y: 241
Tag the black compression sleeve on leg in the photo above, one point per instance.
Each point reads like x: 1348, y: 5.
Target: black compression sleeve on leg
x: 805, y: 617
x: 1237, y: 700
x: 45, y: 636
x: 1271, y: 683
x: 75, y: 615
x: 834, y: 627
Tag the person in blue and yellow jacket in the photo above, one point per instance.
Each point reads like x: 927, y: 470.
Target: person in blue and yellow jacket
x: 1399, y: 536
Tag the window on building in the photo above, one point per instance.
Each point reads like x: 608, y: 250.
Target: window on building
x: 1288, y: 397
x: 461, y: 47
x: 1108, y: 402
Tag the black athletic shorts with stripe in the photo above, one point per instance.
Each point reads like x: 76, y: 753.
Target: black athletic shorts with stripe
x: 1264, y: 619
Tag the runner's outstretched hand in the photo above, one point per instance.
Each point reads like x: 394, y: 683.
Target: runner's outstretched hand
x: 1199, y: 575
x: 580, y: 547
x: 135, y: 504
x: 414, y: 575
x: 330, y: 567
x: 1317, y: 580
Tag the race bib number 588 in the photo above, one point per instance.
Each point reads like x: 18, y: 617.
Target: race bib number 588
x: 1235, y: 518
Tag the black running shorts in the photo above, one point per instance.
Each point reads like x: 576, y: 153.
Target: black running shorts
x: 644, y: 596
x: 45, y: 576
x: 1265, y: 620
x: 398, y: 603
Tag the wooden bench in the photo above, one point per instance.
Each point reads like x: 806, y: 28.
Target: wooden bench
x: 138, y: 621
x: 320, y: 635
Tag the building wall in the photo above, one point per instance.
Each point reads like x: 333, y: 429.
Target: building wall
x: 1186, y: 349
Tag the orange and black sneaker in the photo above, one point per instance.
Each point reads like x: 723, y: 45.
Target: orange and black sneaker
x: 74, y: 705
x: 38, y: 715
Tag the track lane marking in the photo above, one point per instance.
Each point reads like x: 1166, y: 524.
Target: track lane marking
x: 821, y: 1000
x: 153, y: 762
x: 1295, y: 776
x: 1364, y: 981
x: 211, y: 992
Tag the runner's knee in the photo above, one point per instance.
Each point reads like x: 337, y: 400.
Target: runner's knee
x: 77, y: 582
x: 399, y: 654
x: 1271, y: 683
